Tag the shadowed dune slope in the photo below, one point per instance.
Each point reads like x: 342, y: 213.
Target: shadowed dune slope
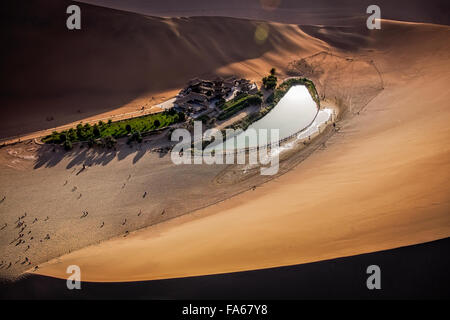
x: 323, y: 12
x: 51, y: 72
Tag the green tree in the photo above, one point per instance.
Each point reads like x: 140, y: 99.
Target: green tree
x: 71, y: 135
x: 96, y: 131
x: 80, y: 134
x: 270, y: 82
x: 156, y: 123
x: 128, y: 128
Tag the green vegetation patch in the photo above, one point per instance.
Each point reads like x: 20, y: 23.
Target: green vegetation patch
x: 238, y: 103
x: 270, y: 82
x: 117, y: 129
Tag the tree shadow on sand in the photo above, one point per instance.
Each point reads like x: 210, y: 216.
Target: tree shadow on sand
x: 49, y: 156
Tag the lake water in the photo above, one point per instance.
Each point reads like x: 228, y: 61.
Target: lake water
x: 295, y: 112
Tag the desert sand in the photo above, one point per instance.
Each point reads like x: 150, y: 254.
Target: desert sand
x: 49, y: 185
x: 120, y: 61
x: 381, y: 182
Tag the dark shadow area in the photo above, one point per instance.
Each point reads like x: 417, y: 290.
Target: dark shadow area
x: 412, y: 272
x: 318, y: 12
x: 49, y: 156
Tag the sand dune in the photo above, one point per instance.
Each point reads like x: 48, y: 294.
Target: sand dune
x: 115, y: 54
x: 319, y: 12
x: 381, y: 182
x: 120, y: 61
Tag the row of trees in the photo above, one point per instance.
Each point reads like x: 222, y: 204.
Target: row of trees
x: 105, y: 134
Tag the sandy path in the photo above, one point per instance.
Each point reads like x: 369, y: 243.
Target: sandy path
x: 382, y: 182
